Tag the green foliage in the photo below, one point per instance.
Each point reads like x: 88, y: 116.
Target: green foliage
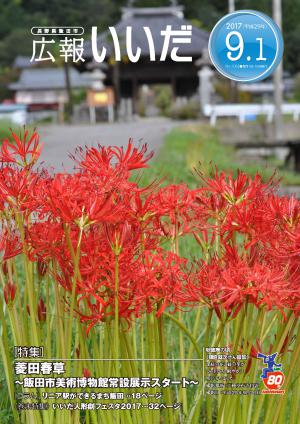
x: 5, y: 132
x: 197, y: 146
x: 189, y: 110
x: 79, y: 96
x: 7, y: 75
x: 163, y: 98
x: 223, y: 88
x: 141, y: 107
x: 14, y: 43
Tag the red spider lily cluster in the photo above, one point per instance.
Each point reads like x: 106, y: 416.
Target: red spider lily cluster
x: 80, y: 225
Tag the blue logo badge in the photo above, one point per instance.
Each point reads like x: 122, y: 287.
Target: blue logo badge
x: 269, y: 360
x: 246, y: 46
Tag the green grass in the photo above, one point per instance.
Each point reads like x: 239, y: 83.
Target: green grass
x: 198, y: 146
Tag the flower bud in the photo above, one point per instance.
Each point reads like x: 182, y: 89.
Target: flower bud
x: 9, y: 292
x: 42, y: 267
x: 5, y: 268
x: 42, y: 311
x: 86, y: 373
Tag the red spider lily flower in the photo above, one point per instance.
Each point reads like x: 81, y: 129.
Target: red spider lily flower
x: 231, y: 281
x: 284, y: 210
x: 209, y: 204
x: 142, y: 207
x: 242, y: 219
x: 17, y: 188
x: 10, y: 244
x: 132, y: 157
x: 21, y: 150
x: 113, y: 161
x: 236, y: 190
x: 96, y: 284
x: 97, y: 315
x: 9, y: 292
x: 42, y: 312
x: 44, y: 240
x: 206, y: 242
x: 174, y: 208
x: 117, y: 235
x: 74, y: 199
x: 86, y: 373
x: 162, y: 281
x: 278, y: 226
x: 174, y: 200
x: 258, y: 237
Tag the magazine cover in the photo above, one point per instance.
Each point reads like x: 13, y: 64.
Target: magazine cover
x: 149, y: 212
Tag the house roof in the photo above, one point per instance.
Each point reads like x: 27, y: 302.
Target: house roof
x: 156, y: 18
x: 22, y: 62
x: 49, y: 79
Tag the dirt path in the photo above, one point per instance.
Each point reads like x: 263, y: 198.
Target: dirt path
x: 60, y: 140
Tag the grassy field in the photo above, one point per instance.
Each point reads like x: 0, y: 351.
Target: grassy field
x: 198, y: 146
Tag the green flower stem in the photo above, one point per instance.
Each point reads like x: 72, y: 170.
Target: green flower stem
x: 142, y: 336
x: 76, y: 275
x: 151, y: 352
x: 108, y: 350
x: 206, y: 344
x: 59, y: 314
x: 78, y: 368
x: 175, y: 249
x: 29, y: 283
x: 144, y: 372
x: 237, y: 336
x: 30, y: 295
x: 237, y: 406
x: 129, y: 350
x: 250, y: 331
x: 116, y: 322
x: 193, y: 417
x: 134, y: 331
x: 48, y: 317
x: 76, y: 259
x: 281, y: 413
x: 116, y: 326
x: 164, y: 365
x: 296, y: 391
x: 282, y: 332
x: 98, y: 351
x: 195, y: 334
x: 219, y: 333
x: 97, y: 348
x: 187, y: 332
x: 182, y: 391
x: 254, y: 369
x: 7, y: 363
x: 130, y: 369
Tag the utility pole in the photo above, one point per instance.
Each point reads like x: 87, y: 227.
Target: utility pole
x: 231, y: 6
x: 233, y: 84
x: 278, y: 96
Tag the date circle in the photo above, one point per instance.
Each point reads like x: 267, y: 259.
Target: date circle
x: 246, y: 46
